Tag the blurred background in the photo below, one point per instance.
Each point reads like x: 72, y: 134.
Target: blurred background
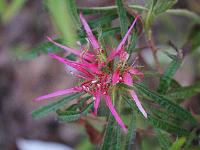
x: 24, y: 24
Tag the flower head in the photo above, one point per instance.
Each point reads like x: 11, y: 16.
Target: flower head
x: 95, y: 79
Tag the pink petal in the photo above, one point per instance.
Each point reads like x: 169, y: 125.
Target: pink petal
x: 127, y: 34
x: 121, y: 45
x: 134, y: 71
x: 127, y: 79
x: 68, y: 49
x: 137, y: 102
x: 73, y: 64
x: 114, y: 113
x: 96, y: 102
x: 91, y: 66
x: 90, y: 35
x: 57, y: 93
x: 115, y: 77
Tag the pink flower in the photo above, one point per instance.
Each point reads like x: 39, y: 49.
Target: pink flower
x: 95, y: 80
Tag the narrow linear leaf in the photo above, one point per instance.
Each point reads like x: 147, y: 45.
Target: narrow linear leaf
x: 165, y: 79
x: 163, y: 5
x: 178, y: 144
x: 159, y: 123
x: 122, y: 17
x: 12, y: 9
x: 71, y: 5
x: 190, y: 138
x: 164, y: 125
x: 52, y: 107
x: 185, y: 13
x: 117, y: 141
x: 184, y: 92
x: 163, y: 139
x: 162, y: 101
x: 102, y: 20
x: 46, y: 47
x: 68, y: 116
x: 60, y: 14
x: 92, y: 10
x: 132, y: 132
x: 107, y: 142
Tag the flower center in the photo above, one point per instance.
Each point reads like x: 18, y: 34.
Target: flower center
x: 101, y: 84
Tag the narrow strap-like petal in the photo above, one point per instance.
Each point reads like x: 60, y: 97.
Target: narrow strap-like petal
x: 126, y: 35
x: 97, y: 98
x: 114, y: 113
x: 115, y: 77
x: 127, y: 79
x: 73, y: 64
x: 137, y: 102
x: 90, y: 35
x: 116, y: 51
x: 71, y: 50
x: 57, y: 93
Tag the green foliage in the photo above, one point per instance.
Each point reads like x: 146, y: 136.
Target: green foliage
x: 122, y: 17
x: 43, y: 48
x: 61, y: 17
x: 46, y: 47
x: 107, y: 142
x: 156, y: 7
x: 165, y: 79
x: 169, y: 127
x: 52, y: 107
x: 178, y: 144
x: 163, y: 138
x: 102, y: 20
x: 183, y: 93
x: 164, y: 113
x: 72, y: 115
x: 8, y: 11
x: 163, y: 5
x: 194, y: 37
x: 132, y: 131
x: 162, y: 101
x: 160, y: 123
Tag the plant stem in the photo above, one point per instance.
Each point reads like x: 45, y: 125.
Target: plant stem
x: 154, y: 50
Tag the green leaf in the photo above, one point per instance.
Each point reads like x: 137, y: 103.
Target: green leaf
x: 165, y: 79
x: 117, y: 141
x: 131, y: 131
x: 2, y: 6
x: 149, y: 17
x: 162, y: 101
x: 61, y: 16
x: 122, y: 17
x: 52, y: 107
x: 102, y: 20
x: 194, y: 38
x: 190, y: 138
x: 163, y: 5
x: 46, y: 47
x: 163, y: 139
x: 73, y: 12
x: 159, y: 123
x: 108, y: 9
x: 107, y: 142
x: 66, y: 116
x: 43, y: 48
x: 184, y: 92
x: 164, y: 125
x: 12, y: 9
x: 178, y: 144
x: 185, y: 13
